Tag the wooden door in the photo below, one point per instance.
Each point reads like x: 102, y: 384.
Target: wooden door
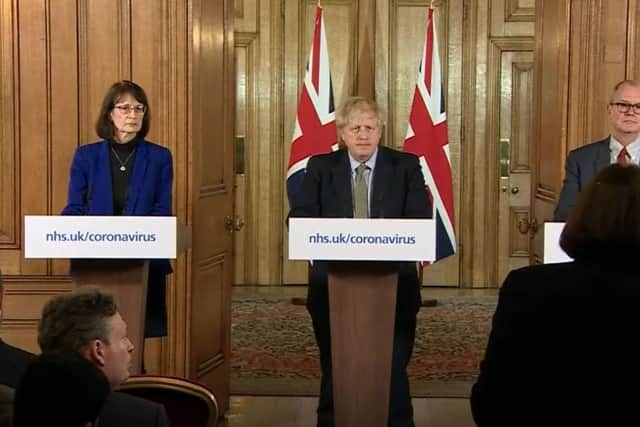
x: 513, y: 137
x: 212, y: 175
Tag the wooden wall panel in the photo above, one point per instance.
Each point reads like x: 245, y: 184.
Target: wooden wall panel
x: 34, y: 115
x: 64, y: 108
x: 9, y: 167
x: 104, y: 38
x: 597, y: 62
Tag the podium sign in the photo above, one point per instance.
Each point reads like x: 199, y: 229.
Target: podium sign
x: 119, y: 237
x: 373, y: 239
x: 553, y: 253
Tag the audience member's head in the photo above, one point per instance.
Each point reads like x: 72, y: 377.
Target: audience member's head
x: 605, y: 223
x: 87, y: 322
x: 60, y: 389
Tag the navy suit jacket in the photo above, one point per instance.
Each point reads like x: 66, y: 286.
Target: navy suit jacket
x: 397, y: 191
x: 90, y: 189
x: 582, y: 164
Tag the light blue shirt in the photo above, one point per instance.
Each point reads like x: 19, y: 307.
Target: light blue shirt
x: 368, y: 175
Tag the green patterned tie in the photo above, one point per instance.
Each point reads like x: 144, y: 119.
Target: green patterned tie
x: 361, y: 193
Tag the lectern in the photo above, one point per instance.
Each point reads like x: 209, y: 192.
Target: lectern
x: 127, y: 281
x: 362, y: 283
x: 111, y: 253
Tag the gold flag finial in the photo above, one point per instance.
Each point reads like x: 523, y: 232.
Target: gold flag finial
x: 431, y: 4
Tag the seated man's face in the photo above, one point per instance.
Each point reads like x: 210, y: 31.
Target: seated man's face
x: 117, y: 352
x: 361, y: 135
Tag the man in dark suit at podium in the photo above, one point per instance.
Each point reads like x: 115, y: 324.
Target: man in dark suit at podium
x: 364, y: 180
x: 622, y: 146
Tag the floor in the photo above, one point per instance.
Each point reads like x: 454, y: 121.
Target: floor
x: 269, y: 411
x: 253, y: 411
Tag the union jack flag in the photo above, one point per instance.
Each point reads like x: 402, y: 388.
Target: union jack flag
x: 427, y: 139
x: 315, y: 129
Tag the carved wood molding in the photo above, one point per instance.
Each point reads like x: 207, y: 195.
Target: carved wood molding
x: 210, y: 364
x: 515, y: 12
x: 545, y: 194
x: 212, y: 190
x: 520, y: 70
x: 244, y: 39
x: 518, y: 242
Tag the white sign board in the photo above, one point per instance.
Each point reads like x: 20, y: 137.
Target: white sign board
x: 553, y: 253
x: 143, y: 237
x: 374, y: 239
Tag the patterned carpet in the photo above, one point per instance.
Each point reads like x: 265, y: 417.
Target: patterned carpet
x: 273, y: 351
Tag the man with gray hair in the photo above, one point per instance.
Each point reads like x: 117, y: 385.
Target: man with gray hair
x: 622, y: 146
x: 87, y: 322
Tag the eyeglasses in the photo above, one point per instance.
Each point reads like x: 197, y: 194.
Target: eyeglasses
x: 623, y: 107
x: 136, y: 109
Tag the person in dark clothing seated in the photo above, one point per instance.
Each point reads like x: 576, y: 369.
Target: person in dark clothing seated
x: 87, y: 322
x: 13, y: 360
x: 60, y: 389
x: 563, y: 349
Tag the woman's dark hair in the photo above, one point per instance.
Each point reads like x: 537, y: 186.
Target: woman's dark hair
x: 605, y: 222
x: 104, y: 126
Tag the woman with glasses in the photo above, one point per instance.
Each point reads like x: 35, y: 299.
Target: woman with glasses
x: 124, y: 174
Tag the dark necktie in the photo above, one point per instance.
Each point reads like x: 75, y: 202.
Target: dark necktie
x: 623, y: 157
x: 361, y: 198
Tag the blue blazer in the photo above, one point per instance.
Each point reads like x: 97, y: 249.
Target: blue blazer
x: 90, y: 190
x: 150, y: 185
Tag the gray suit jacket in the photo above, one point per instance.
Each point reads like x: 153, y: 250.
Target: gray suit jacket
x: 582, y: 164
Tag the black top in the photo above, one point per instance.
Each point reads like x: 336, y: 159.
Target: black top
x: 122, y: 157
x: 563, y: 349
